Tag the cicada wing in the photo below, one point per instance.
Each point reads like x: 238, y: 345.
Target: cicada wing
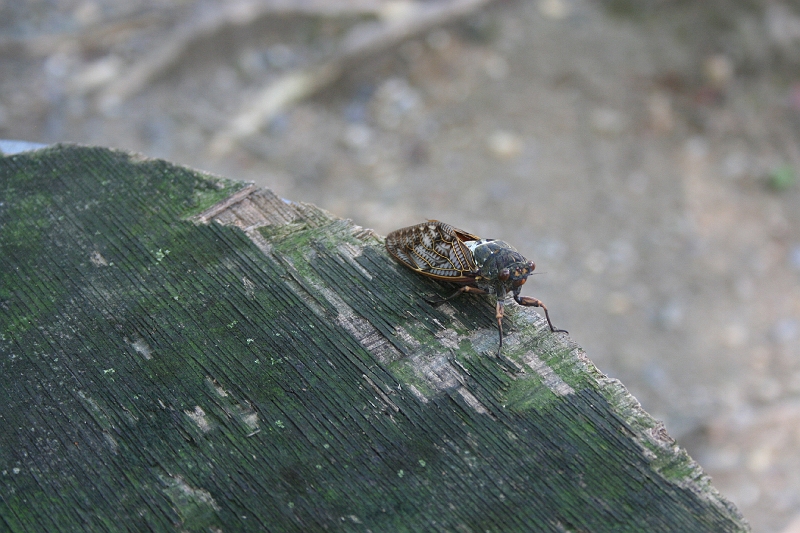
x: 434, y: 249
x: 463, y: 235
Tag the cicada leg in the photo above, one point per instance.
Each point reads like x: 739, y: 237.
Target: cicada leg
x: 462, y: 290
x: 499, y: 311
x: 533, y: 302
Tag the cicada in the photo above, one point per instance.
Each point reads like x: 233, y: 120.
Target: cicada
x: 480, y: 266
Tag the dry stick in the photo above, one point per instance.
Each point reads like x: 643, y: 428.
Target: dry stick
x: 106, y: 33
x: 364, y: 40
x: 240, y: 13
x: 95, y: 36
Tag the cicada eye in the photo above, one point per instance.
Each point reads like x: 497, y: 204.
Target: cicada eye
x: 532, y: 265
x: 504, y: 274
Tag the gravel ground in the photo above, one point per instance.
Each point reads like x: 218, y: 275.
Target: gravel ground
x: 643, y: 153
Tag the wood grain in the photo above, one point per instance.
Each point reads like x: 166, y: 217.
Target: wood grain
x: 171, y: 361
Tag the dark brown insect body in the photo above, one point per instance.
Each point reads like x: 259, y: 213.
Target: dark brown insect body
x: 482, y: 266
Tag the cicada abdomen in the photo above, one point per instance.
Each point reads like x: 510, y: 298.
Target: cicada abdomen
x: 482, y: 266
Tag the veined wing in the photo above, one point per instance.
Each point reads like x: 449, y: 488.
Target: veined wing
x: 434, y: 249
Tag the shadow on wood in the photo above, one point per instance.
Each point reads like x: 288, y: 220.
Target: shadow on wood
x: 179, y: 351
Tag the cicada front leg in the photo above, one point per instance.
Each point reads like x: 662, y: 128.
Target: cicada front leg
x: 533, y: 302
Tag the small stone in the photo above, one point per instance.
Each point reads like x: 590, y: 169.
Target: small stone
x: 393, y: 101
x: 760, y: 459
x: 357, y: 136
x: 718, y: 70
x: 554, y: 9
x: 393, y: 11
x: 88, y: 13
x: 96, y: 74
x: 504, y: 144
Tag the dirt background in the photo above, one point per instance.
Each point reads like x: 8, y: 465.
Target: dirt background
x: 643, y: 153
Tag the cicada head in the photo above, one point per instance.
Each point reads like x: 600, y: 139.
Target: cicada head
x: 511, y: 278
x: 518, y: 273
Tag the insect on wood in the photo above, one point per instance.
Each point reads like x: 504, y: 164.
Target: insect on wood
x: 481, y: 266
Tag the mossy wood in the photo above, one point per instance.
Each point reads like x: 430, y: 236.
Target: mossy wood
x: 182, y: 352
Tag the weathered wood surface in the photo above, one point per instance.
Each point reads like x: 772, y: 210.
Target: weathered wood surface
x: 261, y: 365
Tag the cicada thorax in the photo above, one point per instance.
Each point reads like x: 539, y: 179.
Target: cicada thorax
x: 501, y: 267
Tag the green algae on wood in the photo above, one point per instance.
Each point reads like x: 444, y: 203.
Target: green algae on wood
x: 184, y: 352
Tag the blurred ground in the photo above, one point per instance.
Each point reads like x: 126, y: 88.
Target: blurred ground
x: 642, y: 153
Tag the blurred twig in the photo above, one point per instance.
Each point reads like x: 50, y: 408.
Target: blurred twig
x: 404, y: 21
x: 207, y: 23
x: 102, y: 34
